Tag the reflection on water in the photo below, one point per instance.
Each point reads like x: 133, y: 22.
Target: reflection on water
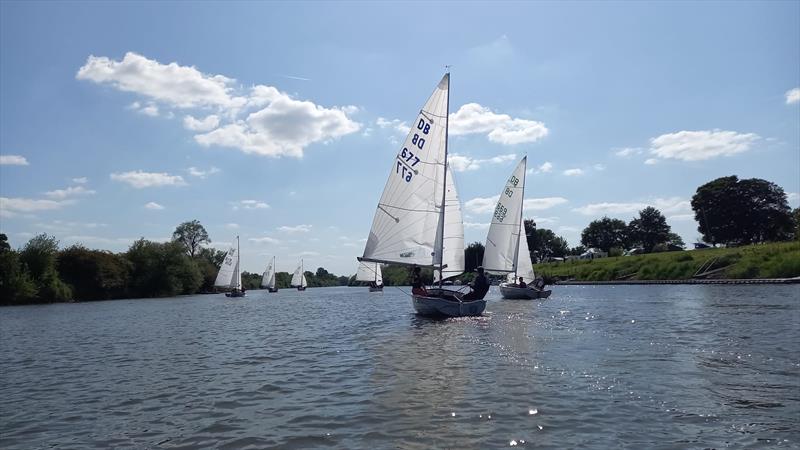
x: 593, y: 366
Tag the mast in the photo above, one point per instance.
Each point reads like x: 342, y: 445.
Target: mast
x: 521, y: 221
x: 238, y: 259
x: 444, y: 181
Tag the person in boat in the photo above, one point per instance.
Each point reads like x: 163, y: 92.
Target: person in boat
x: 479, y: 286
x: 417, y: 286
x: 522, y: 283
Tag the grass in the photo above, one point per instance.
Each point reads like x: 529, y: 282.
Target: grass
x: 771, y: 260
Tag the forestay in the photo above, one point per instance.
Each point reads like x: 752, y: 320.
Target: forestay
x: 228, y: 270
x: 369, y: 271
x: 506, y: 233
x: 453, y: 231
x: 406, y: 221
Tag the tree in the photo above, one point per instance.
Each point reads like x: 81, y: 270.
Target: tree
x: 4, y: 245
x: 16, y: 285
x: 94, y: 274
x: 735, y: 212
x: 473, y: 256
x: 604, y: 234
x: 162, y: 270
x: 649, y: 229
x: 40, y: 256
x: 674, y: 239
x: 796, y: 217
x: 191, y: 235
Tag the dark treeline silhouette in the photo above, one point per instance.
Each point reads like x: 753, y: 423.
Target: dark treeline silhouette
x: 40, y: 272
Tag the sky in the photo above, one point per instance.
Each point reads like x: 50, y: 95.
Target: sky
x: 279, y: 122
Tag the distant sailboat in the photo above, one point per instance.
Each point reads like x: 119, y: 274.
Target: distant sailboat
x: 506, y: 250
x: 229, y: 276
x: 299, y: 278
x: 371, y: 273
x: 268, y: 279
x: 413, y: 225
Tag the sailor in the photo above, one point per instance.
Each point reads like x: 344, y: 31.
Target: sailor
x: 479, y: 286
x: 417, y: 286
x: 522, y: 283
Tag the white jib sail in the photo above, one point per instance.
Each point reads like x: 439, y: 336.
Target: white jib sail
x: 524, y: 265
x: 227, y: 270
x: 453, y: 232
x: 504, y: 241
x: 236, y: 279
x: 369, y: 271
x: 407, y: 218
x: 299, y: 277
x: 268, y: 279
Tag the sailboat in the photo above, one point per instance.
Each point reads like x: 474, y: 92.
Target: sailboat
x: 506, y: 250
x: 370, y: 272
x: 412, y: 224
x: 229, y: 276
x: 299, y: 278
x: 268, y: 279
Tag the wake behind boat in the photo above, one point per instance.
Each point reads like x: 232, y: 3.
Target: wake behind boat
x: 418, y: 219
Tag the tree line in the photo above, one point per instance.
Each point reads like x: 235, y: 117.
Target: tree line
x: 40, y: 272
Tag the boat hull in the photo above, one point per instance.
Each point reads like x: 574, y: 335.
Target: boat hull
x: 235, y: 294
x: 446, y: 303
x: 273, y: 290
x: 376, y: 289
x: 528, y: 293
x: 301, y: 288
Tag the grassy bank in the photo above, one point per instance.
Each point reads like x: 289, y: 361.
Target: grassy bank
x: 774, y: 260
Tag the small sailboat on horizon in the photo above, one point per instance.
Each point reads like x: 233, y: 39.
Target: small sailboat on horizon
x: 268, y: 279
x: 299, y: 278
x: 370, y: 273
x: 506, y: 250
x: 229, y: 275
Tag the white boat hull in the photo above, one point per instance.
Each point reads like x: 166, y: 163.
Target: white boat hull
x: 527, y: 293
x: 434, y: 305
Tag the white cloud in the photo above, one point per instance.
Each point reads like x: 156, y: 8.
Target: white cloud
x: 676, y: 205
x: 306, y: 253
x: 793, y: 96
x: 100, y: 240
x: 154, y: 206
x: 265, y: 240
x: 139, y: 179
x: 628, y: 151
x: 232, y: 226
x: 150, y: 110
x: 476, y: 226
x: 179, y: 86
x: 573, y: 172
x: 538, y: 204
x: 793, y: 198
x: 283, y: 126
x: 540, y: 221
x: 195, y: 172
x: 11, y: 206
x: 71, y: 191
x: 501, y: 128
x: 207, y: 124
x: 599, y: 167
x: 701, y: 145
x: 295, y: 229
x: 681, y: 217
x: 80, y: 180
x: 249, y: 204
x: 395, y: 124
x: 481, y: 205
x: 13, y: 160
x: 546, y: 167
x: 651, y: 161
x: 460, y: 163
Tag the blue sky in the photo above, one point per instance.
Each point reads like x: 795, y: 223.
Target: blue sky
x: 279, y: 122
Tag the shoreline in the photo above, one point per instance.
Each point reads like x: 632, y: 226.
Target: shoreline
x: 795, y: 280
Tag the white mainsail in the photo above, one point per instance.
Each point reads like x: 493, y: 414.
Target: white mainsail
x: 268, y: 279
x: 299, y: 276
x: 369, y: 271
x: 407, y: 220
x: 506, y: 239
x: 228, y: 270
x: 453, y: 232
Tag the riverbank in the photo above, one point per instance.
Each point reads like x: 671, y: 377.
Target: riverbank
x: 795, y: 280
x: 745, y: 265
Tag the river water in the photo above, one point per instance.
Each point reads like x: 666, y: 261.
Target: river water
x: 592, y: 367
